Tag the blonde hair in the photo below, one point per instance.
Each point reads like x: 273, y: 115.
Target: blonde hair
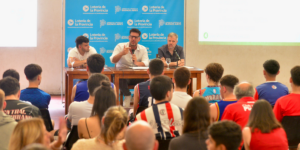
x: 2, y: 96
x: 26, y: 132
x: 115, y: 119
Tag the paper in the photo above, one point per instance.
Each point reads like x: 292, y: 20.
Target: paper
x: 188, y: 67
x: 137, y: 68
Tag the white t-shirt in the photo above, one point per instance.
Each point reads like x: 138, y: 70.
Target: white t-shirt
x: 74, y: 53
x: 180, y: 99
x: 126, y: 60
x: 78, y: 110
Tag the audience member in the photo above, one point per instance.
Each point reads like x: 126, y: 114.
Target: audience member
x: 226, y: 89
x: 214, y: 72
x: 196, y: 120
x: 139, y: 136
x: 104, y: 98
x: 95, y: 64
x: 271, y: 90
x: 164, y: 118
x: 263, y: 131
x: 112, y: 132
x: 35, y: 146
x: 12, y: 73
x: 14, y: 107
x: 78, y: 110
x: 224, y: 135
x: 182, y: 80
x: 33, y: 130
x: 7, y: 124
x: 33, y: 94
x: 289, y: 105
x: 142, y: 95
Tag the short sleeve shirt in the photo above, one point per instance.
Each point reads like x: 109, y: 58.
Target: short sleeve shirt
x: 75, y: 53
x: 164, y: 52
x: 126, y: 60
x: 288, y: 105
x: 20, y: 110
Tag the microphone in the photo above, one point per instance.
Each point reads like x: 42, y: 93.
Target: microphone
x: 132, y: 52
x: 177, y: 55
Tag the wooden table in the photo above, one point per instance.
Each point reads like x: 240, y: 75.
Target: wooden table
x: 77, y: 73
x: 127, y: 73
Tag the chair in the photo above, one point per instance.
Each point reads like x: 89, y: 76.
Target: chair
x: 291, y: 125
x: 72, y: 138
x: 163, y: 144
x: 47, y: 119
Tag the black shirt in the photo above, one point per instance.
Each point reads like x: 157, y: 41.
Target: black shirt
x: 20, y: 110
x: 164, y: 52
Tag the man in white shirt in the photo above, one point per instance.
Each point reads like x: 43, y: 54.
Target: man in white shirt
x: 181, y: 81
x: 81, y: 52
x: 130, y: 54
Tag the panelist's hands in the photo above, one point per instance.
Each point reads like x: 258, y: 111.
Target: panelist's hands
x: 164, y: 60
x: 180, y: 62
x: 125, y: 50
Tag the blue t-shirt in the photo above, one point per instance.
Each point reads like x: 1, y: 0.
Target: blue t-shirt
x: 270, y: 91
x: 36, y: 97
x: 82, y: 93
x: 221, y: 105
x: 211, y: 93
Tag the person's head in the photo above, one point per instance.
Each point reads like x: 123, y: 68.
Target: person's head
x: 244, y: 89
x: 104, y: 98
x: 295, y: 76
x: 196, y: 116
x: 262, y: 117
x: 214, y: 71
x: 33, y: 72
x: 140, y: 136
x: 10, y: 86
x: 224, y: 135
x: 82, y: 43
x: 94, y: 81
x: 29, y: 131
x: 134, y: 37
x: 182, y: 77
x: 227, y: 84
x: 113, y: 122
x: 12, y: 73
x: 95, y: 63
x: 172, y: 40
x: 156, y: 67
x: 2, y: 98
x: 161, y: 88
x: 271, y: 67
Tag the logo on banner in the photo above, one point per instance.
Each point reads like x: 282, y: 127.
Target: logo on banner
x: 144, y: 35
x: 149, y: 52
x: 154, y: 9
x: 85, y: 8
x: 96, y: 37
x: 86, y: 35
x: 161, y: 22
x: 103, y: 50
x: 70, y: 22
x: 118, y: 36
x: 139, y: 23
x: 154, y: 37
x: 103, y: 23
x: 145, y: 8
x: 118, y: 9
x: 69, y: 49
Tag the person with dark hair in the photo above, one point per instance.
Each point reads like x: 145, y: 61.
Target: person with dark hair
x: 196, y: 120
x: 262, y: 124
x: 142, y: 96
x: 83, y: 109
x: 111, y: 137
x: 12, y: 73
x: 7, y: 124
x: 104, y: 98
x: 14, y: 107
x: 224, y: 135
x: 227, y: 84
x: 32, y: 93
x: 181, y: 80
x: 172, y: 51
x: 130, y: 54
x: 95, y: 64
x: 81, y: 52
x: 214, y: 72
x: 289, y: 105
x: 271, y: 90
x: 164, y: 118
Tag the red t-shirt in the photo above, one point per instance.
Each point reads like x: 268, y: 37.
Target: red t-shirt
x: 239, y: 112
x: 288, y: 105
x: 275, y: 140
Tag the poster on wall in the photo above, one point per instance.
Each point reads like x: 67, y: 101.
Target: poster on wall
x: 107, y: 23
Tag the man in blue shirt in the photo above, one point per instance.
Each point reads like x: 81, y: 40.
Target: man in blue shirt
x: 32, y: 93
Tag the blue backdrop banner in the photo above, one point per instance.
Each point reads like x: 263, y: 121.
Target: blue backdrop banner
x: 107, y: 23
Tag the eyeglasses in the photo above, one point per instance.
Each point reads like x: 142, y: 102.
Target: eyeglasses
x: 134, y: 36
